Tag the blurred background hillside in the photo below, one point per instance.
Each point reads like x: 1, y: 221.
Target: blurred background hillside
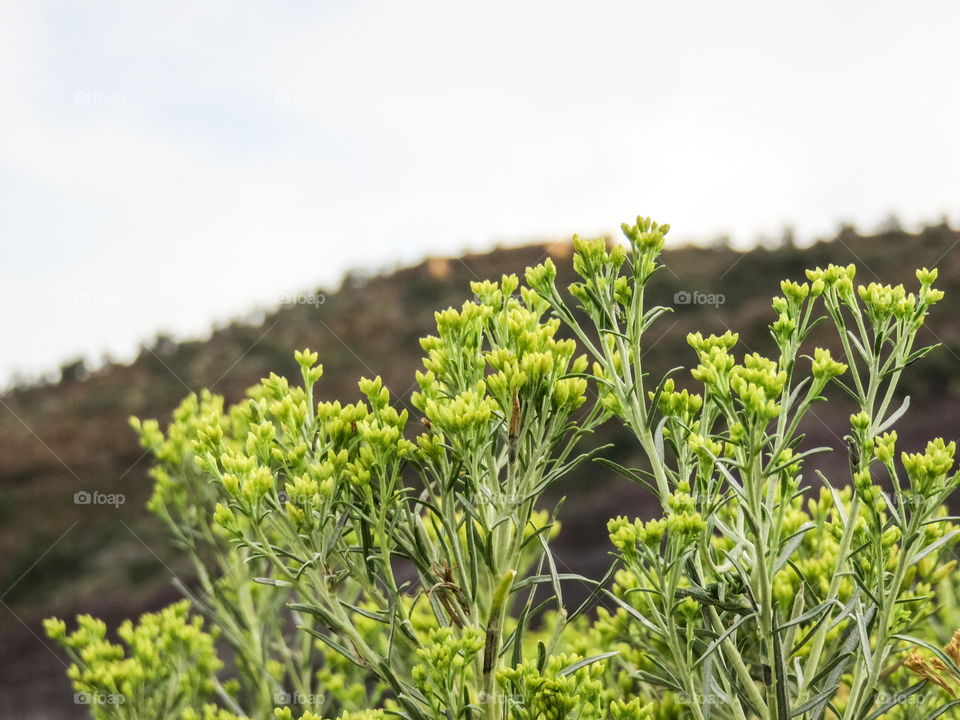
x: 57, y: 556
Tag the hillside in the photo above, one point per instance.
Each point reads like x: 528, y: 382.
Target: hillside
x: 58, y: 556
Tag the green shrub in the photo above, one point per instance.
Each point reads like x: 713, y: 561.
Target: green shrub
x: 357, y: 566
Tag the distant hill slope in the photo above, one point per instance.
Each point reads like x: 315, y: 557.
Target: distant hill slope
x: 57, y: 440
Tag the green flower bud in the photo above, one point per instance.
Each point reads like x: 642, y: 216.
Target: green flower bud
x: 705, y: 345
x: 651, y: 533
x: 231, y: 484
x: 783, y: 328
x: 259, y: 483
x: 646, y: 235
x: 55, y: 628
x: 891, y: 537
x: 929, y: 469
x: 931, y: 296
x: 863, y: 481
x: 686, y: 524
x: 942, y: 572
x: 860, y: 422
x: 624, y: 534
x: 795, y: 292
x: 305, y: 358
x: 632, y: 710
x: 927, y: 277
x: 885, y: 447
x: 825, y: 367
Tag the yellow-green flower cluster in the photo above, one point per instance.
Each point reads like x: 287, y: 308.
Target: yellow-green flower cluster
x: 834, y: 278
x: 465, y: 417
x: 496, y: 365
x: 678, y: 404
x: 541, y: 278
x: 337, y: 423
x: 795, y: 293
x: 885, y: 447
x: 683, y: 519
x: 446, y: 668
x: 928, y: 470
x: 634, y: 709
x: 928, y: 295
x: 716, y: 362
x: 447, y: 650
x: 885, y: 301
x: 209, y: 712
x: 307, y: 360
x: 646, y: 241
x: 592, y: 257
x: 287, y: 714
x: 288, y: 405
x: 815, y: 559
x: 362, y: 441
x: 273, y: 448
x: 552, y: 695
x: 600, y: 270
x: 701, y: 344
x: 538, y: 373
x: 704, y: 448
x: 791, y: 469
x: 865, y: 488
x: 646, y: 234
x: 167, y: 663
x: 784, y: 326
x: 454, y: 353
x: 176, y: 478
x: 788, y: 309
x: 626, y: 535
x: 381, y: 429
x: 825, y: 367
x: 759, y: 383
x: 503, y: 295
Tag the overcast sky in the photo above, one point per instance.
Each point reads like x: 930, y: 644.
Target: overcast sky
x: 167, y: 165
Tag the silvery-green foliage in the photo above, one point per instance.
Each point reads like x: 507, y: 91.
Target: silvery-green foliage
x: 740, y: 625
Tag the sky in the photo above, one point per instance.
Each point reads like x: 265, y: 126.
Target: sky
x: 166, y: 166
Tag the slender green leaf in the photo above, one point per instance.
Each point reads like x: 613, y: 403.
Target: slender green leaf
x: 572, y: 668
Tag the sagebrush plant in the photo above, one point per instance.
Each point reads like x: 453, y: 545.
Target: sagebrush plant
x: 358, y: 564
